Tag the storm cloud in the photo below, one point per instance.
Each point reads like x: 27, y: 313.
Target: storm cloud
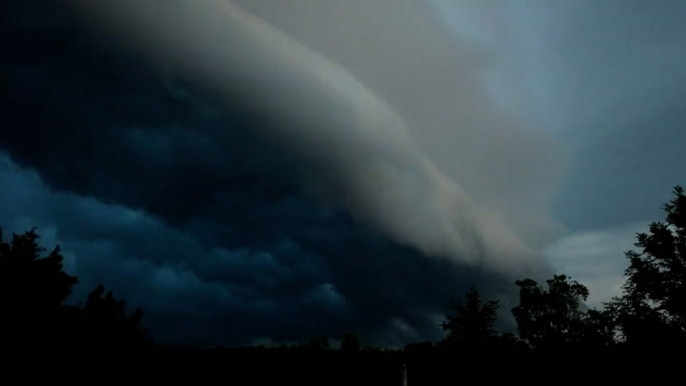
x: 331, y: 119
x: 242, y: 182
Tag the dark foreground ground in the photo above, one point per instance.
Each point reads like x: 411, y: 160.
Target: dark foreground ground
x: 326, y: 367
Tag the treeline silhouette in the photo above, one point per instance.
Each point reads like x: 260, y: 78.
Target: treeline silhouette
x: 640, y: 333
x: 33, y: 288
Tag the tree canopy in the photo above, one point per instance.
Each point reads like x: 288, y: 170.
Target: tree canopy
x: 652, y: 307
x: 471, y: 322
x: 33, y: 289
x: 29, y: 281
x: 550, y: 317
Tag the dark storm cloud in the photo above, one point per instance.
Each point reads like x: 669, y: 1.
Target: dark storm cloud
x: 219, y: 245
x: 99, y: 122
x: 334, y: 278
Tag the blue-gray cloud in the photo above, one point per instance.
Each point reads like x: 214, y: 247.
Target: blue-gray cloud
x: 608, y: 78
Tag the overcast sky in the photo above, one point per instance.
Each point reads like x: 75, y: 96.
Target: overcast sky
x: 607, y: 78
x: 273, y: 172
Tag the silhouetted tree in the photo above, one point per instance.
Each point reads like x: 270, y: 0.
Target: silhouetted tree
x: 550, y: 318
x: 30, y: 281
x: 318, y: 343
x: 108, y: 323
x: 652, y: 307
x: 32, y: 289
x: 471, y: 322
x: 598, y: 328
x: 350, y: 343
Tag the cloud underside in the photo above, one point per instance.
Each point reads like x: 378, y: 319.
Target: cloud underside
x: 231, y: 216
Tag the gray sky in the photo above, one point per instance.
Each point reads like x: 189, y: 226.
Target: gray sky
x: 607, y: 78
